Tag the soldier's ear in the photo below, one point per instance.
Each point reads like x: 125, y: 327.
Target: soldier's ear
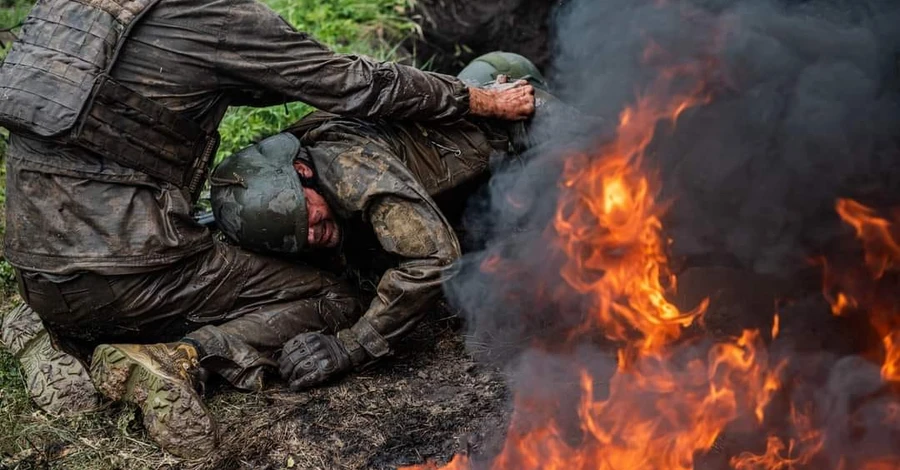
x: 303, y: 169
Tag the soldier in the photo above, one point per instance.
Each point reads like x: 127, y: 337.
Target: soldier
x: 304, y: 189
x: 113, y: 108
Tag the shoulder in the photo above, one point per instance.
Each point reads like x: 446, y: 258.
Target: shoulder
x: 355, y: 170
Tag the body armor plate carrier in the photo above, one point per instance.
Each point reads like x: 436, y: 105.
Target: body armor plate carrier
x: 55, y: 84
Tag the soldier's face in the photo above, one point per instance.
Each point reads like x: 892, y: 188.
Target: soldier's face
x: 324, y: 231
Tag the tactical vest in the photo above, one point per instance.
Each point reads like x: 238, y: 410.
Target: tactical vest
x: 55, y: 84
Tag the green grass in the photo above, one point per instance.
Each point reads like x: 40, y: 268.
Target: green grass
x: 11, y: 14
x: 14, y: 401
x: 369, y: 27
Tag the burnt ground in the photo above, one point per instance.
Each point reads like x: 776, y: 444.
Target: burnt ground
x: 429, y: 401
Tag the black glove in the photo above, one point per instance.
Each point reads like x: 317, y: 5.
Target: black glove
x: 310, y: 359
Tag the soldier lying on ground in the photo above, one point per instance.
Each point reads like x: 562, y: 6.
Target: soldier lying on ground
x: 113, y: 108
x: 357, y: 178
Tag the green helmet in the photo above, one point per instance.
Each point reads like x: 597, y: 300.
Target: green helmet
x: 485, y: 69
x: 258, y: 199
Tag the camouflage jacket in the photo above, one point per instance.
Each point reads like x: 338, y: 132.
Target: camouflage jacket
x: 69, y: 210
x: 384, y: 177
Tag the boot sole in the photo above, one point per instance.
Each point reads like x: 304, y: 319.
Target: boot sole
x: 57, y: 382
x: 174, y: 414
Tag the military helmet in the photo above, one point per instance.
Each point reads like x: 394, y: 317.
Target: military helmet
x: 257, y: 197
x: 486, y: 68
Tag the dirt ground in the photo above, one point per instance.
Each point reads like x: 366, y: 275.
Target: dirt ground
x: 428, y: 402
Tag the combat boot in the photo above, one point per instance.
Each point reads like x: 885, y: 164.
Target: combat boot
x: 161, y: 379
x: 57, y: 382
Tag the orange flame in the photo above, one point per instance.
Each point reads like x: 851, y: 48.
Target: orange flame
x: 608, y: 224
x: 656, y: 415
x: 842, y: 303
x: 890, y: 371
x: 797, y: 453
x: 664, y: 407
x: 882, y: 254
x: 882, y: 251
x: 459, y: 462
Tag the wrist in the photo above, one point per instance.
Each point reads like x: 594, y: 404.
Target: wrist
x: 357, y: 353
x: 478, y: 102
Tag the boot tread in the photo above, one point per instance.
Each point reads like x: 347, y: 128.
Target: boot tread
x: 173, y: 413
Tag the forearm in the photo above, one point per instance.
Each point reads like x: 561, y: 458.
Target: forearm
x: 422, y: 239
x: 264, y: 55
x: 359, y: 87
x: 403, y: 298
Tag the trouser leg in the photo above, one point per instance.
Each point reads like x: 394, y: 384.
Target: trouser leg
x: 238, y: 307
x: 277, y: 301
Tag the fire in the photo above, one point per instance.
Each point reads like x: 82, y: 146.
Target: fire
x: 491, y: 264
x: 891, y: 368
x: 657, y: 415
x: 798, y: 453
x: 842, y: 303
x: 671, y: 397
x: 608, y: 224
x: 882, y: 255
x: 882, y: 251
x: 666, y: 403
x: 459, y: 462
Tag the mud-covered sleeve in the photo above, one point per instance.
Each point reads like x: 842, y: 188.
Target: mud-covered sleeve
x: 426, y: 246
x: 261, y: 55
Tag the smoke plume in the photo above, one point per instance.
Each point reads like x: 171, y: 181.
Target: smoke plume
x: 803, y: 109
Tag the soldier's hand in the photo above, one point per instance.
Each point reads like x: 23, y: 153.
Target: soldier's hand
x: 510, y: 101
x: 310, y: 359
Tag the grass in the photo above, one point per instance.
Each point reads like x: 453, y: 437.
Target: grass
x: 113, y: 438
x: 370, y: 27
x: 11, y: 13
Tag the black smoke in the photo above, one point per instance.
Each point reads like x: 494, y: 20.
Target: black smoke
x: 805, y: 110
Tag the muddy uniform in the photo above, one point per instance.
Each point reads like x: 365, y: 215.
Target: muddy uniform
x: 382, y: 179
x: 107, y: 253
x: 387, y: 175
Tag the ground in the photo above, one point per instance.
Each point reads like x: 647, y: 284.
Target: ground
x: 429, y: 401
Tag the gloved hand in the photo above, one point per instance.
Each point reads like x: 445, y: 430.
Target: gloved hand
x: 310, y: 359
